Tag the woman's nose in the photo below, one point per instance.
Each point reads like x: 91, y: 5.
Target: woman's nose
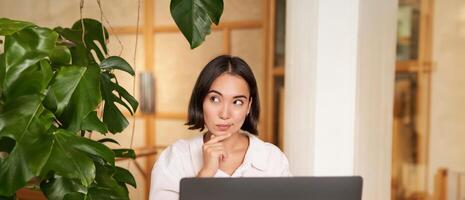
x: 224, y: 112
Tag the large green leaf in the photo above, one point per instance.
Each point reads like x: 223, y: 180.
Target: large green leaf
x: 25, y: 121
x: 194, y: 18
x: 58, y: 187
x: 124, y: 176
x: 84, y: 100
x: 33, y: 80
x: 79, y: 54
x: 61, y: 55
x: 106, y: 186
x: 9, y: 27
x: 92, y: 123
x: 70, y: 156
x: 23, y: 51
x: 63, y: 86
x: 95, y: 148
x: 93, y: 33
x: 112, y: 116
x: 115, y: 62
x: 127, y: 97
x: 18, y: 116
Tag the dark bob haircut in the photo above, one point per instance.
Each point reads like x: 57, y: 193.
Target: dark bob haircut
x: 214, y: 69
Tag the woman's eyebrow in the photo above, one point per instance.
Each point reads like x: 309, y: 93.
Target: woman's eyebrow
x: 214, y: 91
x: 219, y: 93
x: 240, y: 96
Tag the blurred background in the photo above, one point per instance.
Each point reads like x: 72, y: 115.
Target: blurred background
x: 428, y: 138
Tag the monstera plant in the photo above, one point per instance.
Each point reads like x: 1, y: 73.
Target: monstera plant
x: 56, y: 85
x: 53, y: 82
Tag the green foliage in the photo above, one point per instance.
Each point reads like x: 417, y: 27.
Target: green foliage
x: 195, y: 17
x: 50, y: 87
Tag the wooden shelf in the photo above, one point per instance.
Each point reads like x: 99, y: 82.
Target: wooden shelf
x: 407, y: 66
x: 165, y: 115
x: 278, y: 71
x: 127, y: 30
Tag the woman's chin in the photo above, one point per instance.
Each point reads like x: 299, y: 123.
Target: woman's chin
x: 220, y: 132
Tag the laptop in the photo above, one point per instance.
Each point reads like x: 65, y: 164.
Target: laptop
x: 272, y: 188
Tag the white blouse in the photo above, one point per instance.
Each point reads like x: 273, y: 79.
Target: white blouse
x: 184, y: 159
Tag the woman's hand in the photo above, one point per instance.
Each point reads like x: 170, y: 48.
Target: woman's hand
x: 213, y: 153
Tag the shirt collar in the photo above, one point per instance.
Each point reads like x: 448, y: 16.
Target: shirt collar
x: 256, y: 153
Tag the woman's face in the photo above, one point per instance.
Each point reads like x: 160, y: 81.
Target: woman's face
x: 226, y: 105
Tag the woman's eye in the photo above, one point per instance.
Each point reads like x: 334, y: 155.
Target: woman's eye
x: 238, y: 102
x: 214, y: 99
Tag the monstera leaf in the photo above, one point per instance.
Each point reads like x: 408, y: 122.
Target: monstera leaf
x: 195, y: 17
x: 112, y: 116
x: 22, y: 120
x: 60, y: 187
x: 24, y: 73
x: 107, y: 186
x: 84, y: 99
x: 9, y: 27
x: 61, y: 89
x: 76, y: 150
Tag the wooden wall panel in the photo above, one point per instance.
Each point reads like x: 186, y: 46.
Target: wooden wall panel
x: 248, y: 44
x: 177, y: 68
x: 240, y: 10
x: 168, y: 131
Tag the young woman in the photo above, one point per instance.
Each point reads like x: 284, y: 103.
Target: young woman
x: 224, y: 101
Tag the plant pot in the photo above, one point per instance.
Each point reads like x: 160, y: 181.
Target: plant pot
x: 27, y: 194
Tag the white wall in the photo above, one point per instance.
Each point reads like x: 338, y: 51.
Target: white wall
x: 447, y: 133
x: 340, y: 58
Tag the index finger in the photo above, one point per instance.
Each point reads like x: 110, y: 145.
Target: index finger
x: 215, y: 139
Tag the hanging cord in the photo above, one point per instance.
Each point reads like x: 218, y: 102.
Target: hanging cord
x: 103, y: 17
x: 103, y: 28
x: 106, y: 42
x: 134, y: 80
x: 81, y: 6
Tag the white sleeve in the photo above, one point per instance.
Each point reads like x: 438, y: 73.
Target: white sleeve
x: 165, y: 177
x: 285, y: 166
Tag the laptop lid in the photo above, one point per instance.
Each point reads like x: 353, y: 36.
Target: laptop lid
x: 272, y: 188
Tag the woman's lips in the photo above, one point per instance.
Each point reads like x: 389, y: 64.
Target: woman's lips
x: 223, y: 127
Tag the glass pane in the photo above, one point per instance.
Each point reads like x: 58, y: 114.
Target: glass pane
x: 248, y: 44
x: 408, y: 23
x: 407, y: 172
x: 278, y: 107
x: 169, y: 68
x: 280, y: 26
